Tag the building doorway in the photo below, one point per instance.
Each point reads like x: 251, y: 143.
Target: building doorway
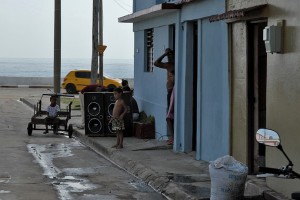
x: 195, y: 79
x: 256, y: 91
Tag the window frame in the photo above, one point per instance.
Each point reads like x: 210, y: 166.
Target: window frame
x: 149, y: 46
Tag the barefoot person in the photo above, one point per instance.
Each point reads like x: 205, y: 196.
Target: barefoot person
x: 119, y: 111
x: 169, y: 66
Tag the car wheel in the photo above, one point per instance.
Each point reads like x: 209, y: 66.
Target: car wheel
x: 111, y: 86
x: 71, y: 89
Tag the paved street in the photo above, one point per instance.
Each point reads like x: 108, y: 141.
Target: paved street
x: 57, y: 167
x: 54, y: 166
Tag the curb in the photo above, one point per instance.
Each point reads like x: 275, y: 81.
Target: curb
x: 27, y: 103
x: 26, y: 86
x: 160, y: 184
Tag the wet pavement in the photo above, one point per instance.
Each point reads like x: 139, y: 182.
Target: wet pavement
x: 84, y: 182
x: 54, y: 166
x: 175, y: 175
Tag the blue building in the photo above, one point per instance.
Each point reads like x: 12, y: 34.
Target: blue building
x: 201, y: 71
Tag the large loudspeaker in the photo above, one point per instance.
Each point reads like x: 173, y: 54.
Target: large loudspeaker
x: 94, y: 114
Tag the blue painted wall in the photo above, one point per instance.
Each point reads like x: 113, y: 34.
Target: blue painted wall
x: 213, y: 80
x: 150, y: 87
x: 143, y: 4
x: 214, y: 96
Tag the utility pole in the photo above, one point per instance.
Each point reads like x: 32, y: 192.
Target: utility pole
x: 101, y: 43
x: 94, y: 63
x: 57, y: 46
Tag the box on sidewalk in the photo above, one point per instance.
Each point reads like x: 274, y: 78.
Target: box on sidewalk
x: 144, y: 130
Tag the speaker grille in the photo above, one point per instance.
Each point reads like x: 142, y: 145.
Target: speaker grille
x: 95, y: 126
x: 94, y: 115
x: 94, y: 108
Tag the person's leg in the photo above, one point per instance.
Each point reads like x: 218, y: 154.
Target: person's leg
x: 170, y: 123
x: 46, y: 125
x: 121, y: 136
x: 170, y: 119
x: 169, y: 97
x: 118, y: 140
x: 55, y: 125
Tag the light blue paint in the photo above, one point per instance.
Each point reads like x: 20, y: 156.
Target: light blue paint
x: 214, y: 96
x: 143, y: 4
x: 213, y: 88
x: 150, y: 87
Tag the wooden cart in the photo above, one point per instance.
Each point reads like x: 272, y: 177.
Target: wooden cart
x: 40, y: 113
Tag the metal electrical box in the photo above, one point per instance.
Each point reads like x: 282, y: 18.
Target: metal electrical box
x: 272, y: 35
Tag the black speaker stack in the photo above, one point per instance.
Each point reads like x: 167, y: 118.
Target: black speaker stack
x: 98, y: 108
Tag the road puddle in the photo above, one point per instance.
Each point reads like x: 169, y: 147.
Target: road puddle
x: 5, y: 177
x: 4, y: 192
x: 64, y: 184
x: 140, y: 186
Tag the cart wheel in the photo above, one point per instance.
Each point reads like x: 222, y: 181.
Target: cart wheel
x: 70, y: 130
x: 29, y: 128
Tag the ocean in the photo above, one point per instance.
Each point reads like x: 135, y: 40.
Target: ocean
x: 43, y: 67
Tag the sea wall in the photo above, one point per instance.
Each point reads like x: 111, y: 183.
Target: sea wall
x: 34, y: 81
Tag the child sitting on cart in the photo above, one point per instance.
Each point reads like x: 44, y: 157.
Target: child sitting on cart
x: 52, y: 118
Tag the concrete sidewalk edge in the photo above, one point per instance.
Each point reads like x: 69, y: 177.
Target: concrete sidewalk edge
x: 28, y: 103
x: 160, y: 184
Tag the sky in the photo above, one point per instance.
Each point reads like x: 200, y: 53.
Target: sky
x: 27, y: 29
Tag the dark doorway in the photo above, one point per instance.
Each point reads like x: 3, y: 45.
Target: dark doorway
x: 257, y: 80
x: 195, y: 79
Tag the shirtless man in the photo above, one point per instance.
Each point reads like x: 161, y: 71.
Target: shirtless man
x: 119, y: 111
x: 169, y: 66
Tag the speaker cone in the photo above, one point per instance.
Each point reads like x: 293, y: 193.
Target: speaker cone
x: 93, y: 108
x: 95, y: 125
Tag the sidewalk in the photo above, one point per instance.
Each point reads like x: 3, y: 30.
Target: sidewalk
x: 175, y: 175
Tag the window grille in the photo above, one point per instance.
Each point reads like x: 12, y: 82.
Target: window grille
x: 149, y: 45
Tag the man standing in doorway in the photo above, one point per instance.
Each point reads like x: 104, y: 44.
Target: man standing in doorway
x: 170, y: 67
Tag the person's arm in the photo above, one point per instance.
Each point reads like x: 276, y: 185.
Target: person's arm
x: 158, y: 62
x: 125, y: 109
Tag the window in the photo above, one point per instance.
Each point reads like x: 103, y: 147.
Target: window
x: 83, y: 74
x: 149, y: 50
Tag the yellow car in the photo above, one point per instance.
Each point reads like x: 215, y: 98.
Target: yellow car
x: 76, y: 80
